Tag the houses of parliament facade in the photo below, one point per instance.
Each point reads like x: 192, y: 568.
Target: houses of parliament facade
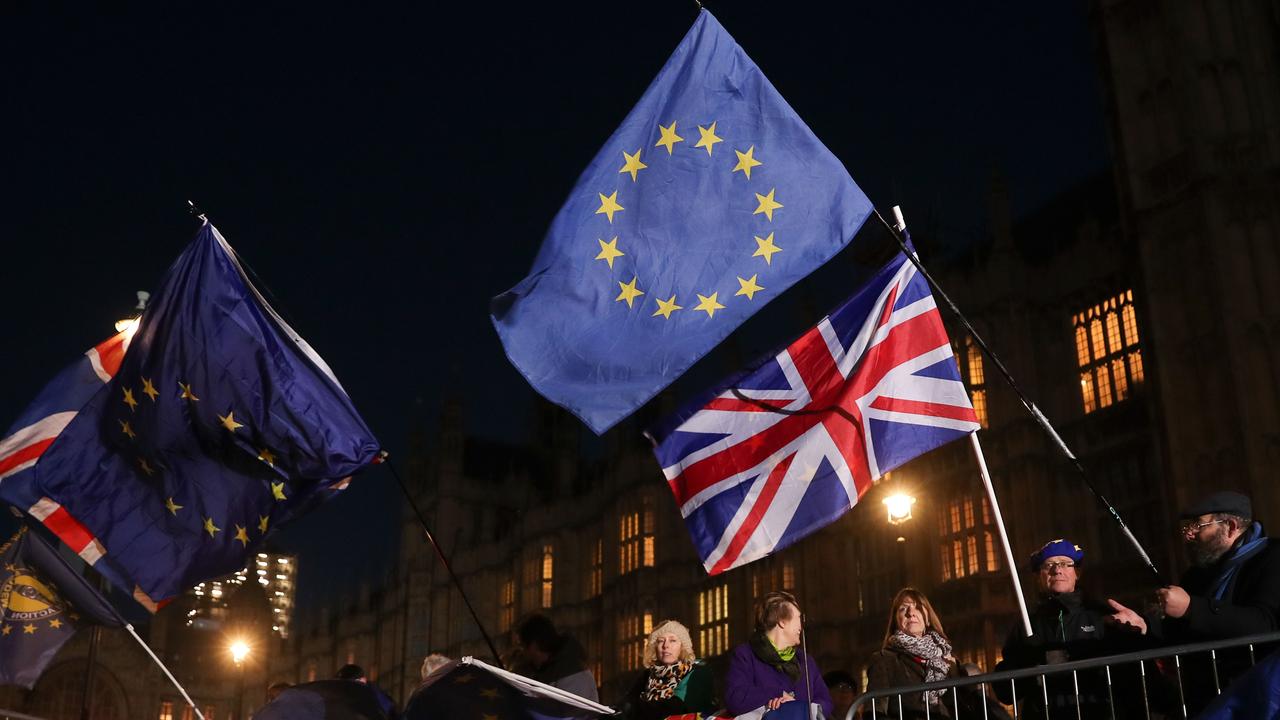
x: 1139, y: 309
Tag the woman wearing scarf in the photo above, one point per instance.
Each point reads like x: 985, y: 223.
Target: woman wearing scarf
x: 915, y: 650
x: 674, y: 682
x: 771, y: 670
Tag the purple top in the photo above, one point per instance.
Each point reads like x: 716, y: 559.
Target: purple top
x: 751, y: 682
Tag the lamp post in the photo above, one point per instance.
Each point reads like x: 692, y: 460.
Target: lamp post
x: 898, y: 506
x: 239, y: 653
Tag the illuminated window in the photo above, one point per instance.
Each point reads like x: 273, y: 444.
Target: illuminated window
x: 1108, y: 351
x: 975, y: 377
x: 955, y: 516
x: 548, y: 567
x: 713, y: 621
x: 166, y: 710
x: 597, y: 569
x: 508, y: 604
x: 971, y: 544
x: 968, y: 512
x: 633, y: 631
x: 636, y: 542
x: 957, y: 555
x: 946, y: 563
x: 993, y: 560
x: 788, y: 575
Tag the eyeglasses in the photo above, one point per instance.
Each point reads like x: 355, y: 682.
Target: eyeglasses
x: 1192, y: 529
x: 1054, y: 565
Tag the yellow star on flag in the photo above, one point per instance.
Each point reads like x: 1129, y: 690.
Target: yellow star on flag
x: 242, y: 535
x: 229, y: 422
x: 748, y: 287
x: 746, y: 161
x: 172, y: 506
x: 633, y: 166
x: 128, y: 399
x: 708, y: 139
x: 210, y: 528
x: 55, y: 623
x: 491, y: 693
x: 666, y: 307
x: 127, y: 429
x: 277, y: 490
x: 709, y: 304
x: 267, y: 457
x: 149, y: 389
x: 29, y: 629
x: 146, y: 466
x: 765, y: 248
x: 262, y: 523
x: 609, y: 251
x: 629, y: 292
x: 609, y: 205
x: 669, y: 137
x: 767, y: 204
x: 6, y: 629
x: 186, y: 392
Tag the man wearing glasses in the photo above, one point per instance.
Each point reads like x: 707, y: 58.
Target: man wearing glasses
x: 1232, y: 589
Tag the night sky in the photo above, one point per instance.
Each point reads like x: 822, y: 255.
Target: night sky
x: 385, y: 171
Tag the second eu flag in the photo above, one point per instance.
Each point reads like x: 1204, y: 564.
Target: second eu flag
x: 708, y: 201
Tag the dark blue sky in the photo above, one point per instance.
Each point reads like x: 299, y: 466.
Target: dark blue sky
x: 386, y: 171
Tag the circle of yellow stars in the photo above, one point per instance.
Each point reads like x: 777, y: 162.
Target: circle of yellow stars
x: 229, y: 424
x: 767, y: 204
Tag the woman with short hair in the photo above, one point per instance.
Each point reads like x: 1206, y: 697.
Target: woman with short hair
x: 674, y: 681
x: 915, y: 650
x: 772, y: 669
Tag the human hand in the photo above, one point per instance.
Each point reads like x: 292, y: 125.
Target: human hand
x: 1173, y: 600
x: 785, y: 697
x: 1127, y: 618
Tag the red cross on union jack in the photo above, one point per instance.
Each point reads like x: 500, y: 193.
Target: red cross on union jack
x: 795, y: 443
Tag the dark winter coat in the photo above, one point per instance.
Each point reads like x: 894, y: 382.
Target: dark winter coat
x: 890, y: 668
x: 694, y: 694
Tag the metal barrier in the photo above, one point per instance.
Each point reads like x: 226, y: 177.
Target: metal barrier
x: 11, y: 715
x: 865, y: 706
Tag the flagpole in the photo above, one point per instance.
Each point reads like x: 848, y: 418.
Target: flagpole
x: 1041, y: 420
x: 129, y: 628
x: 1004, y: 535
x: 431, y: 538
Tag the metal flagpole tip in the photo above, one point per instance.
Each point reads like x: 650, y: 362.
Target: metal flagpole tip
x: 195, y: 211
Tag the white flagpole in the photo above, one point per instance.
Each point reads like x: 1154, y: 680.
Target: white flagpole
x: 168, y: 674
x: 1004, y: 536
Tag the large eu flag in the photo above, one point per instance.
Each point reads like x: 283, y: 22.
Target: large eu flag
x: 42, y: 604
x: 218, y: 424
x: 709, y: 200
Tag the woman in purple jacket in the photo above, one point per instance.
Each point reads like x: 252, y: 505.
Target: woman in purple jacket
x: 771, y: 668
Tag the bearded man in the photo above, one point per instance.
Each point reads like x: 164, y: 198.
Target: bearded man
x: 1232, y: 588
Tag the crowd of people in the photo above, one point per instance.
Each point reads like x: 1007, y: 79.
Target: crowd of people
x: 1232, y: 589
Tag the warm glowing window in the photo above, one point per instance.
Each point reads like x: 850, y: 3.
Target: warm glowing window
x: 1108, y: 351
x: 966, y: 542
x: 946, y: 563
x: 548, y: 574
x: 974, y: 375
x: 788, y: 575
x: 955, y: 516
x: 968, y: 512
x: 713, y: 621
x: 633, y: 631
x: 993, y: 561
x: 166, y: 710
x: 508, y: 605
x: 971, y: 544
x: 636, y: 541
x: 597, y: 568
x: 957, y: 555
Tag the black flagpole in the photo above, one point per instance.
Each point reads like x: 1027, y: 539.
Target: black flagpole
x: 1039, y: 417
x: 431, y: 538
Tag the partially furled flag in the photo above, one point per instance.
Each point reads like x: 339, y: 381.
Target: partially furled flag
x: 470, y: 688
x: 708, y: 201
x: 792, y: 444
x: 42, y: 604
x: 218, y: 424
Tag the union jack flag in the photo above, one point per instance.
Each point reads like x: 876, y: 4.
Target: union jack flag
x: 791, y: 445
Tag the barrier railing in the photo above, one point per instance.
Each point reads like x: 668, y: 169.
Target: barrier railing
x: 12, y: 715
x: 1099, y: 670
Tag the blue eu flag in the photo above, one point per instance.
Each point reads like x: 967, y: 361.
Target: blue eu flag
x: 220, y: 424
x: 711, y: 199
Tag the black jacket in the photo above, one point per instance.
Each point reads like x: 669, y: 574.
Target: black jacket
x: 890, y: 668
x: 1250, y: 605
x: 1064, y: 627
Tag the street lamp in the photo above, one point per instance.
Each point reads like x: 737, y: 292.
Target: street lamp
x: 899, y: 508
x: 239, y: 653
